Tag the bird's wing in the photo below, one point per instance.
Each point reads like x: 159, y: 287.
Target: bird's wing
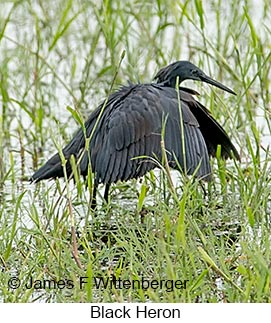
x: 183, y: 127
x: 213, y: 132
x: 129, y: 131
x: 133, y: 130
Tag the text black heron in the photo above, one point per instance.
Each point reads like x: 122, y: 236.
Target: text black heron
x: 132, y: 123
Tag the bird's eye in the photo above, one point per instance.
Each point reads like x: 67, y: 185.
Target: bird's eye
x: 194, y: 72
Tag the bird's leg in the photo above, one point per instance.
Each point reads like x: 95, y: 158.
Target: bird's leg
x: 93, y: 200
x: 205, y: 192
x: 106, y: 192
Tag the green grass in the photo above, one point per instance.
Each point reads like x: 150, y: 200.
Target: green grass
x: 58, y: 62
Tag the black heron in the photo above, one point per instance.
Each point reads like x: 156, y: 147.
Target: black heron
x: 129, y: 124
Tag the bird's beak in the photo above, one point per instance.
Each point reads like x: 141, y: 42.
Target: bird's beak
x: 207, y: 79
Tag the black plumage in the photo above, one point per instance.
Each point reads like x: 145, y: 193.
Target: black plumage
x: 130, y: 126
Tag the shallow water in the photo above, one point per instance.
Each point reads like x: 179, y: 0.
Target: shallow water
x: 21, y: 31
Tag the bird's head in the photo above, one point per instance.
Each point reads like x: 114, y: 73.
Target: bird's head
x: 185, y: 71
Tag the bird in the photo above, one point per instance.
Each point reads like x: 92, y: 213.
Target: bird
x: 124, y: 133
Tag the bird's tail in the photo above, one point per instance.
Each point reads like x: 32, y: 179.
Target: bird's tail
x: 53, y: 167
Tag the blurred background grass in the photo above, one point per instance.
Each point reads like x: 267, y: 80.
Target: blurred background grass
x: 63, y: 55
